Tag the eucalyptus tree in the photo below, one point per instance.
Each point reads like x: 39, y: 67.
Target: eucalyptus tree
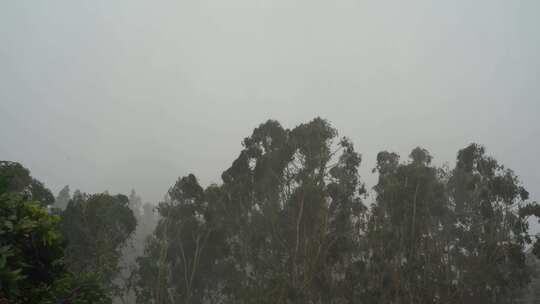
x: 491, y: 208
x: 406, y: 231
x: 180, y: 256
x: 134, y: 248
x: 97, y: 227
x: 294, y: 212
x: 439, y: 236
x: 288, y: 225
x: 283, y: 227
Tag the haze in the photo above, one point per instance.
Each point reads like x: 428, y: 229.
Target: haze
x: 115, y: 95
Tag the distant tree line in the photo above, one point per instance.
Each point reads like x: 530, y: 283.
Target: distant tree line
x: 288, y: 224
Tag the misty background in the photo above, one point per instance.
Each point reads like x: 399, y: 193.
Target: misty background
x: 118, y: 95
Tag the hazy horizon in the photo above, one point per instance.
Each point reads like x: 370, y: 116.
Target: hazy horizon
x: 121, y: 95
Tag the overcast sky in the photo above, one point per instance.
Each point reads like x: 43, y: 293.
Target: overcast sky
x: 115, y: 95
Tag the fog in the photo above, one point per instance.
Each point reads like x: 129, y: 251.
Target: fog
x: 115, y: 95
x: 125, y: 100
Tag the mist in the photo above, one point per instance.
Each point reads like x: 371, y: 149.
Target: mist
x: 114, y: 96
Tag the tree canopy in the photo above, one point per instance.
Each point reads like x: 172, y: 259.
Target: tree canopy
x: 32, y: 248
x: 291, y: 222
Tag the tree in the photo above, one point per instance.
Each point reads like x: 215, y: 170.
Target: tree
x: 407, y: 231
x: 282, y: 228
x: 146, y: 222
x: 293, y: 209
x: 178, y: 262
x: 287, y: 225
x: 14, y: 177
x: 97, y: 227
x: 491, y: 228
x: 135, y: 203
x: 31, y: 249
x: 63, y: 198
x: 32, y: 252
x: 17, y: 179
x: 452, y: 236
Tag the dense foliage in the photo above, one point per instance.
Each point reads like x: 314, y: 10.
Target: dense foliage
x: 97, y: 227
x: 288, y: 225
x: 30, y: 250
x: 32, y: 268
x: 291, y: 222
x: 15, y: 178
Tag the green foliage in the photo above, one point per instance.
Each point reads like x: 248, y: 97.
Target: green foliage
x: 97, y: 227
x: 287, y: 225
x: 281, y: 228
x: 32, y: 266
x: 179, y: 256
x: 404, y: 231
x: 15, y: 178
x: 456, y: 236
x: 31, y: 248
x: 491, y: 230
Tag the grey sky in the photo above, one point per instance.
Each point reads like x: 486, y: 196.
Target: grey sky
x: 114, y: 95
